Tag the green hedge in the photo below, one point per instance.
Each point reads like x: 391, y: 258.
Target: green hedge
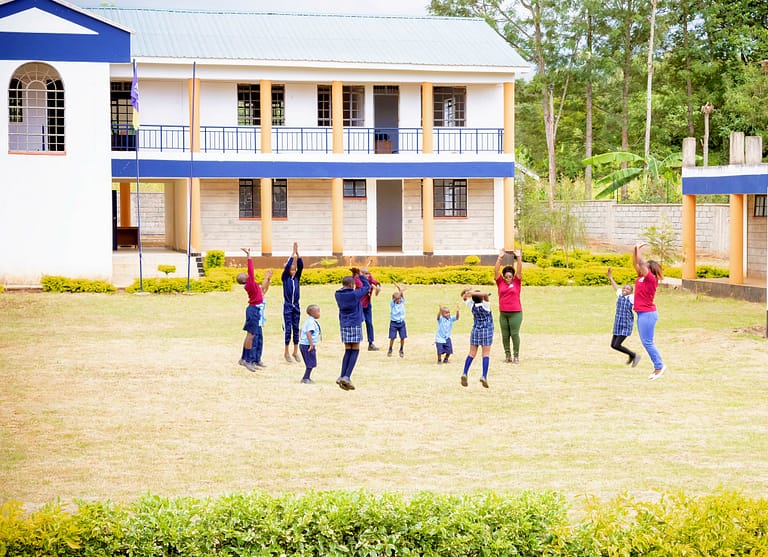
x: 358, y: 523
x: 53, y: 283
x: 179, y: 285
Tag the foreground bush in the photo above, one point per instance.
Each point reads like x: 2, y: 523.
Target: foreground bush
x: 53, y: 283
x: 364, y: 524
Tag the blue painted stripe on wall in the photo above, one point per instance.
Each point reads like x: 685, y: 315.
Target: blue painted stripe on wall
x: 711, y: 185
x: 152, y: 168
x: 111, y: 44
x: 66, y: 48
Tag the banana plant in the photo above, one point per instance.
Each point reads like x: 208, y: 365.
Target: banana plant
x: 656, y: 175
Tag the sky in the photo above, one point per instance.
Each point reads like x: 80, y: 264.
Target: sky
x: 368, y: 7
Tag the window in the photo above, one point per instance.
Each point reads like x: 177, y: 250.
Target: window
x: 354, y: 105
x: 450, y: 198
x: 354, y: 187
x: 760, y: 205
x: 250, y: 198
x: 249, y: 105
x: 36, y: 109
x: 449, y: 103
x: 123, y: 134
x: 15, y: 112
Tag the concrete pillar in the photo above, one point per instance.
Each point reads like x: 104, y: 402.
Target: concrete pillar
x: 428, y: 195
x: 266, y: 217
x: 265, y: 113
x: 337, y: 216
x: 736, y: 252
x: 753, y: 151
x: 193, y: 88
x: 125, y: 204
x: 427, y: 183
x: 689, y: 215
x: 427, y: 117
x: 509, y: 182
x: 337, y: 116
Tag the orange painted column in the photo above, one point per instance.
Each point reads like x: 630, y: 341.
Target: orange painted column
x: 736, y: 255
x: 689, y: 215
x: 337, y: 184
x: 427, y: 183
x: 265, y: 108
x: 509, y: 181
x: 125, y: 204
x: 193, y: 87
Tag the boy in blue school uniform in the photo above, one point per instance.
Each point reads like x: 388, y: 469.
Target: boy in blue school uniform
x: 443, y: 335
x: 397, y: 320
x: 310, y: 337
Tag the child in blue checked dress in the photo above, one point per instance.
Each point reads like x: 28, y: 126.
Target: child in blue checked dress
x: 482, y: 332
x: 624, y: 320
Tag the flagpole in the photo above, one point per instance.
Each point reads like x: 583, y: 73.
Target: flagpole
x: 192, y: 139
x: 135, y: 103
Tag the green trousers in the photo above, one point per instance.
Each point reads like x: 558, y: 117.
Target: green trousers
x: 510, y: 322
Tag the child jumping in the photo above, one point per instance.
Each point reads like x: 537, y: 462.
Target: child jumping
x: 443, y: 335
x: 310, y: 336
x: 291, y: 278
x: 253, y: 343
x: 624, y: 320
x: 397, y: 320
x: 482, y: 332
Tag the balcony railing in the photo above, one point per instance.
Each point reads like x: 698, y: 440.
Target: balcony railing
x: 247, y: 139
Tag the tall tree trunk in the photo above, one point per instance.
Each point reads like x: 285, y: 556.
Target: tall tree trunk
x: 688, y: 80
x: 649, y: 86
x: 626, y: 74
x: 588, y: 114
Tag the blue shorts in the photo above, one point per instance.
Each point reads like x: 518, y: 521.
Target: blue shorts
x: 252, y: 318
x: 397, y: 327
x: 444, y: 347
x: 310, y: 357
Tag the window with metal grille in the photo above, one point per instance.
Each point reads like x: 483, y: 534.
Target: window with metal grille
x: 15, y: 106
x: 760, y: 205
x: 353, y: 101
x: 123, y: 134
x: 449, y: 104
x: 450, y: 197
x: 354, y: 187
x: 249, y: 104
x: 36, y: 109
x: 250, y: 198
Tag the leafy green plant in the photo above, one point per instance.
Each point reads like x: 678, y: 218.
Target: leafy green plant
x: 214, y: 258
x: 662, y: 241
x: 55, y: 283
x: 167, y: 269
x: 471, y: 260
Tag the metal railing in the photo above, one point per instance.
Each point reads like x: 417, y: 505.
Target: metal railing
x: 247, y: 139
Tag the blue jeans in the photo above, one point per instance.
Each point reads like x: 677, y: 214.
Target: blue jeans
x: 368, y: 317
x: 646, y: 324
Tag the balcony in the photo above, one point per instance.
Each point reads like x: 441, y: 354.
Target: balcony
x: 247, y: 139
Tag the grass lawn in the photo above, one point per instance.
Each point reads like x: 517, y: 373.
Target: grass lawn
x: 117, y: 396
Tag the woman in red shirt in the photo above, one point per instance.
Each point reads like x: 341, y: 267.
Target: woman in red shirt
x: 648, y: 276
x: 508, y: 284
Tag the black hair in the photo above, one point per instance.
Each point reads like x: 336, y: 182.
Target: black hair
x: 508, y: 269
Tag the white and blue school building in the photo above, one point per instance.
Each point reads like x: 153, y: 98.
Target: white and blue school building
x: 351, y: 135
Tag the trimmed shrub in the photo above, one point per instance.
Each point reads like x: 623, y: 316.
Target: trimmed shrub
x: 213, y: 259
x: 55, y: 283
x: 471, y: 260
x: 179, y: 285
x: 167, y: 269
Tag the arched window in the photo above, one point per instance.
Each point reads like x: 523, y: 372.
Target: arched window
x: 36, y: 109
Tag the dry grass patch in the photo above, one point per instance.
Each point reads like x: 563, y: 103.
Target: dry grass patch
x: 114, y: 396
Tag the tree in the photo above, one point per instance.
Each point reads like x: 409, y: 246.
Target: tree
x: 657, y: 176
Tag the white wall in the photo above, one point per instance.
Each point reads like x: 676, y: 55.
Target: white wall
x: 485, y: 106
x: 55, y: 208
x: 300, y: 105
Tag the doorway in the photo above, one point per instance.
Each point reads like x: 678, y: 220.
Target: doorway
x: 386, y: 100
x: 389, y: 215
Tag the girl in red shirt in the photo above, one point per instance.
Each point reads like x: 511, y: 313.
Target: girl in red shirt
x: 508, y: 283
x: 648, y: 276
